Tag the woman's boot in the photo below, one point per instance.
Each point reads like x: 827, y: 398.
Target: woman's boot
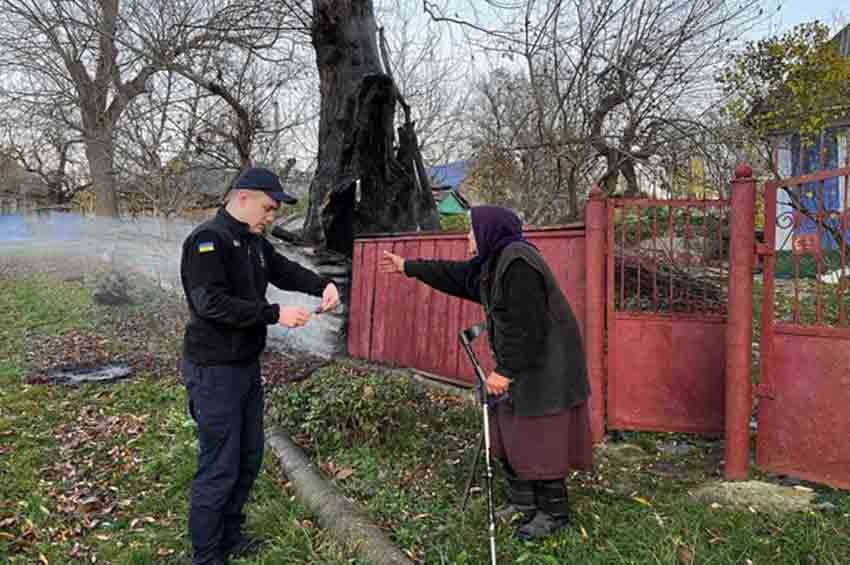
x: 552, y: 511
x: 520, y: 498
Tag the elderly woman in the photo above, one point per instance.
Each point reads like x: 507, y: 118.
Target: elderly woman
x: 540, y: 425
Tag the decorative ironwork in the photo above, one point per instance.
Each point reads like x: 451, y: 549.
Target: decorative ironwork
x: 786, y: 220
x: 809, y: 267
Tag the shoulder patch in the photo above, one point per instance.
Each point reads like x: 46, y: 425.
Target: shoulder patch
x: 206, y: 247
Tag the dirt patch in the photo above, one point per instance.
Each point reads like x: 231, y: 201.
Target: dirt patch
x: 65, y: 266
x: 281, y: 367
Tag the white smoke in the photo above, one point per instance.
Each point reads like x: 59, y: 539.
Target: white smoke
x: 151, y: 246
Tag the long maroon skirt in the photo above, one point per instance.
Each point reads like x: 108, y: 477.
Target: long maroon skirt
x: 543, y: 447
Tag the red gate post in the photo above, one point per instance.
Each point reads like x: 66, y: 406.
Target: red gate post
x: 595, y: 218
x: 739, y: 328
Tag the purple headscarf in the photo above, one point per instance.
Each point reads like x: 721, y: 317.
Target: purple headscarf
x: 494, y: 228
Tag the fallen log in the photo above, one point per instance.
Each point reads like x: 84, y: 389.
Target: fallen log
x: 333, y: 511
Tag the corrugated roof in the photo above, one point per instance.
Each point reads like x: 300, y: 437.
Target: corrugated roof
x: 449, y: 175
x: 453, y: 203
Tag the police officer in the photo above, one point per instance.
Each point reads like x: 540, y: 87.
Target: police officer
x: 225, y: 267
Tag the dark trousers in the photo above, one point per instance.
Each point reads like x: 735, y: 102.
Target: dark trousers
x: 227, y: 404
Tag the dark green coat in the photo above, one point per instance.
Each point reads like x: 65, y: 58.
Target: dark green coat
x: 534, y: 335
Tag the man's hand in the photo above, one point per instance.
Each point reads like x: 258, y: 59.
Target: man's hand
x: 391, y: 263
x: 330, y: 298
x: 497, y: 384
x: 293, y: 316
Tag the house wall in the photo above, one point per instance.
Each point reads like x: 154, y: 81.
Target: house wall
x: 793, y: 159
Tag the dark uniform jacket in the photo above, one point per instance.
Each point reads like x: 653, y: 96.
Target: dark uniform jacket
x: 225, y: 270
x: 533, y: 333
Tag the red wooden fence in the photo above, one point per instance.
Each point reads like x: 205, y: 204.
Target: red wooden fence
x: 399, y: 321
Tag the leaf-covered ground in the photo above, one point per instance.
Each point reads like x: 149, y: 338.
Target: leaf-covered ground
x: 100, y: 473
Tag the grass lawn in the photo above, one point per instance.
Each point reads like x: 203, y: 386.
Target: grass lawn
x: 100, y: 473
x: 404, y: 451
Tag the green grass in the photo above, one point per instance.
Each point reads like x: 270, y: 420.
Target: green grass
x: 104, y: 470
x: 404, y: 453
x: 810, y: 295
x: 808, y: 266
x: 401, y: 450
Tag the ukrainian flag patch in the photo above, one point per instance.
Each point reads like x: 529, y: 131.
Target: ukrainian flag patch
x: 206, y: 247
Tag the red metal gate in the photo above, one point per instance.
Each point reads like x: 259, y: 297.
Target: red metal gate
x: 804, y: 384
x: 667, y: 281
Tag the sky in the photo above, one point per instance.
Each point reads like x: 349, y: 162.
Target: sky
x: 793, y: 12
x: 783, y: 15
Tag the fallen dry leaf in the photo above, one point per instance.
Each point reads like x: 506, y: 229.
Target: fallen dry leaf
x: 87, y: 504
x: 343, y: 474
x: 685, y: 555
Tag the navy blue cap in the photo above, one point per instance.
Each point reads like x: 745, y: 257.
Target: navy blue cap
x: 258, y: 178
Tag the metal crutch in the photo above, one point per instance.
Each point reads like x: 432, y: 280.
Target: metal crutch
x: 466, y: 338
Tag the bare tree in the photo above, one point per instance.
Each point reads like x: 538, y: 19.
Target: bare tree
x: 429, y: 67
x: 47, y: 151
x: 512, y: 167
x: 615, y: 83
x: 155, y: 144
x: 95, y: 58
x: 249, y: 82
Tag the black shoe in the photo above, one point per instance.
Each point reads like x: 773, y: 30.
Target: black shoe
x: 244, y: 546
x: 542, y: 525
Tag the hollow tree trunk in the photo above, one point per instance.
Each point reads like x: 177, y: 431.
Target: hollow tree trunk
x: 362, y: 183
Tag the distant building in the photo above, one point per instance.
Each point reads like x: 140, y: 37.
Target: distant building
x: 20, y: 188
x: 446, y: 181
x: 795, y: 157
